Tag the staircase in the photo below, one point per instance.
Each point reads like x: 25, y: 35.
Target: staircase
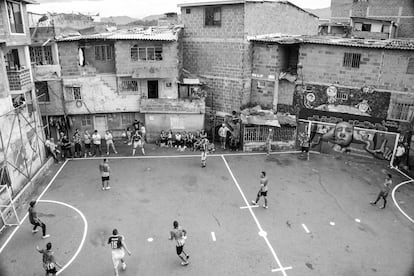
x: 109, y: 81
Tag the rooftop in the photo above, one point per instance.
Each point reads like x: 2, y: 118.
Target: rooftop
x: 233, y: 2
x: 390, y: 44
x: 156, y: 34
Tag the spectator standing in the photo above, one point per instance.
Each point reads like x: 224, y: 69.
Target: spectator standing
x: 399, y: 154
x: 52, y: 147
x: 78, y: 143
x: 96, y: 141
x: 66, y: 146
x: 269, y: 140
x: 137, y: 142
x: 223, y: 135
x: 143, y: 133
x: 87, y: 141
x: 135, y: 125
x: 109, y: 142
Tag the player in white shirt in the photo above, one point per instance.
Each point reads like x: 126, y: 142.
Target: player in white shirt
x: 180, y: 235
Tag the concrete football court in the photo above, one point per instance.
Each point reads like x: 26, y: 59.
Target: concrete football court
x: 319, y: 220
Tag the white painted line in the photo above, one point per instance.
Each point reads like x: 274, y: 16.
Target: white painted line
x: 279, y: 269
x: 255, y: 218
x: 306, y: 228
x: 332, y: 223
x: 213, y: 236
x: 249, y: 206
x: 184, y: 155
x: 357, y: 220
x: 395, y: 201
x: 24, y: 218
x: 85, y: 231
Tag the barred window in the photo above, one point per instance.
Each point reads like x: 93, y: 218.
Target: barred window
x: 342, y: 96
x: 103, y: 52
x: 73, y: 93
x: 129, y: 85
x: 86, y: 120
x: 352, y: 60
x: 134, y: 53
x: 401, y: 111
x: 41, y: 55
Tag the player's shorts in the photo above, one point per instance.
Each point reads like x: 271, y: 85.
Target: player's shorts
x: 117, y: 256
x: 179, y: 249
x: 105, y: 178
x: 52, y: 271
x: 305, y: 149
x: 262, y: 193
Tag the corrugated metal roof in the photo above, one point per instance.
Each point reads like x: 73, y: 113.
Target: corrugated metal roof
x: 391, y: 44
x: 168, y: 35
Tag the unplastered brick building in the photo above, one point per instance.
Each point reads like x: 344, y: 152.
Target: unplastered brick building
x: 391, y: 12
x: 216, y: 46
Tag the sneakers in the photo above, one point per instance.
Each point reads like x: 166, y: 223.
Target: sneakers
x: 46, y: 236
x: 372, y: 203
x: 123, y: 266
x: 382, y: 207
x: 107, y: 153
x: 265, y: 206
x: 108, y: 188
x: 254, y: 203
x: 35, y: 231
x: 184, y: 263
x: 103, y: 188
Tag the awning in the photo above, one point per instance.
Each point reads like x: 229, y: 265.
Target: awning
x: 191, y: 81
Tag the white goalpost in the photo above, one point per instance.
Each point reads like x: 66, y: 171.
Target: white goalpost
x: 309, y: 124
x: 8, y: 210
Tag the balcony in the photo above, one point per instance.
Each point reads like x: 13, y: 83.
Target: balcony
x: 19, y: 79
x: 197, y: 106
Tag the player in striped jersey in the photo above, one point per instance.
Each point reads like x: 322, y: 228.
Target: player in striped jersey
x: 118, y: 247
x: 49, y: 262
x: 180, y: 235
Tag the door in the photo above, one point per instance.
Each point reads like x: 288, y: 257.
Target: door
x: 152, y: 89
x: 101, y: 124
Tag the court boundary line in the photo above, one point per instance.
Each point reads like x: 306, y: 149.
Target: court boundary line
x: 27, y: 214
x: 85, y: 231
x: 262, y: 233
x: 411, y: 180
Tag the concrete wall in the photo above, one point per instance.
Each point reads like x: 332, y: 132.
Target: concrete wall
x: 4, y: 83
x: 157, y: 122
x: 279, y: 17
x: 382, y: 69
x: 98, y: 97
x: 107, y: 66
x: 340, y: 10
x: 69, y: 58
x: 55, y: 105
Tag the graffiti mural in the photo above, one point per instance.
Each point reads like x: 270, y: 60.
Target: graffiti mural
x: 346, y: 133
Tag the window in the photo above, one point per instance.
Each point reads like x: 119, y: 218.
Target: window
x: 103, y: 52
x: 42, y: 91
x: 385, y: 29
x: 212, y: 16
x: 127, y: 118
x: 73, y: 93
x: 401, y: 111
x: 261, y: 84
x: 41, y: 55
x: 148, y: 53
x: 15, y: 17
x: 86, y: 120
x: 187, y: 11
x: 410, y: 67
x: 351, y: 60
x: 128, y: 85
x: 366, y: 27
x: 342, y: 96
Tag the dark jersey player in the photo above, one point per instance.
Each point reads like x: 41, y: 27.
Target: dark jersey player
x: 118, y: 246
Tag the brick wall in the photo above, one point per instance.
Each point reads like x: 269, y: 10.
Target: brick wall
x: 359, y: 9
x: 69, y: 58
x: 278, y: 17
x: 324, y: 63
x: 165, y: 68
x: 340, y: 9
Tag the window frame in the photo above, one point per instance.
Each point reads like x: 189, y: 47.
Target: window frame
x: 86, y: 120
x: 104, y: 52
x: 34, y: 55
x: 351, y: 60
x: 70, y: 91
x: 21, y: 17
x: 410, y: 65
x: 43, y: 95
x: 209, y: 16
x: 153, y: 53
x: 122, y: 87
x: 397, y: 112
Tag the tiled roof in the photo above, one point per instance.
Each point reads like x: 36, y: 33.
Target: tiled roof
x: 391, y: 44
x: 162, y: 35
